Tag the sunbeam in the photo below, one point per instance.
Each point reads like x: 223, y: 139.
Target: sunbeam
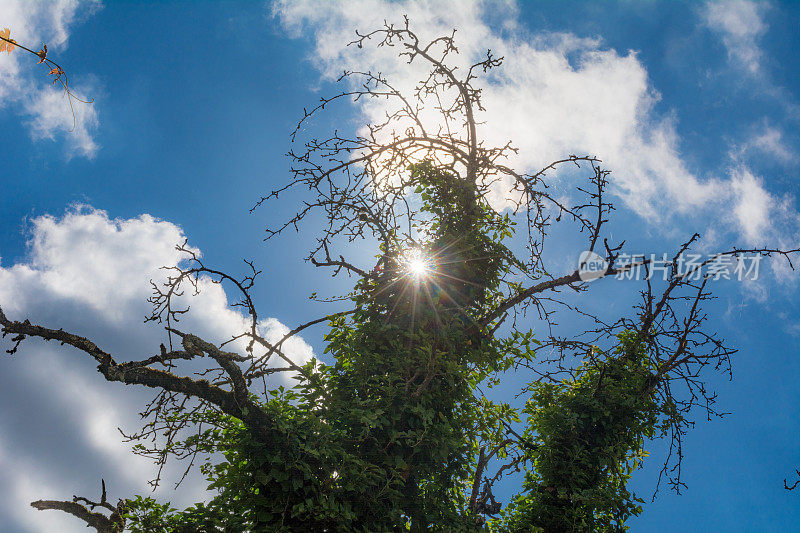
x: 418, y: 264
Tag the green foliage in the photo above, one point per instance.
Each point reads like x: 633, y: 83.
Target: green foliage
x: 388, y: 438
x: 586, y: 436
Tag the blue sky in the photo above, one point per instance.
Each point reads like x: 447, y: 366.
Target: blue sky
x: 694, y: 106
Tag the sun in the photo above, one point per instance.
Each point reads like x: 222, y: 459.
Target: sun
x: 417, y: 267
x: 417, y: 264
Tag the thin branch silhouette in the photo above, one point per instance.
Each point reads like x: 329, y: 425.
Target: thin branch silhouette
x: 60, y: 75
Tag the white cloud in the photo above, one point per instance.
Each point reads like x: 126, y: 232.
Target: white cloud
x: 792, y: 329
x: 25, y: 482
x: 753, y: 207
x: 769, y: 141
x: 90, y: 274
x: 25, y: 87
x: 51, y: 112
x: 556, y: 94
x: 739, y: 24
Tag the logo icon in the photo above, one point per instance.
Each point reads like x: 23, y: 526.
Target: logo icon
x: 591, y: 266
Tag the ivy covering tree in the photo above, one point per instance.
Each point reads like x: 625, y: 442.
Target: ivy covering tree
x: 400, y: 432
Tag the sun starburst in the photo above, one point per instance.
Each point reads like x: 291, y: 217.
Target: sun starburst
x: 417, y: 264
